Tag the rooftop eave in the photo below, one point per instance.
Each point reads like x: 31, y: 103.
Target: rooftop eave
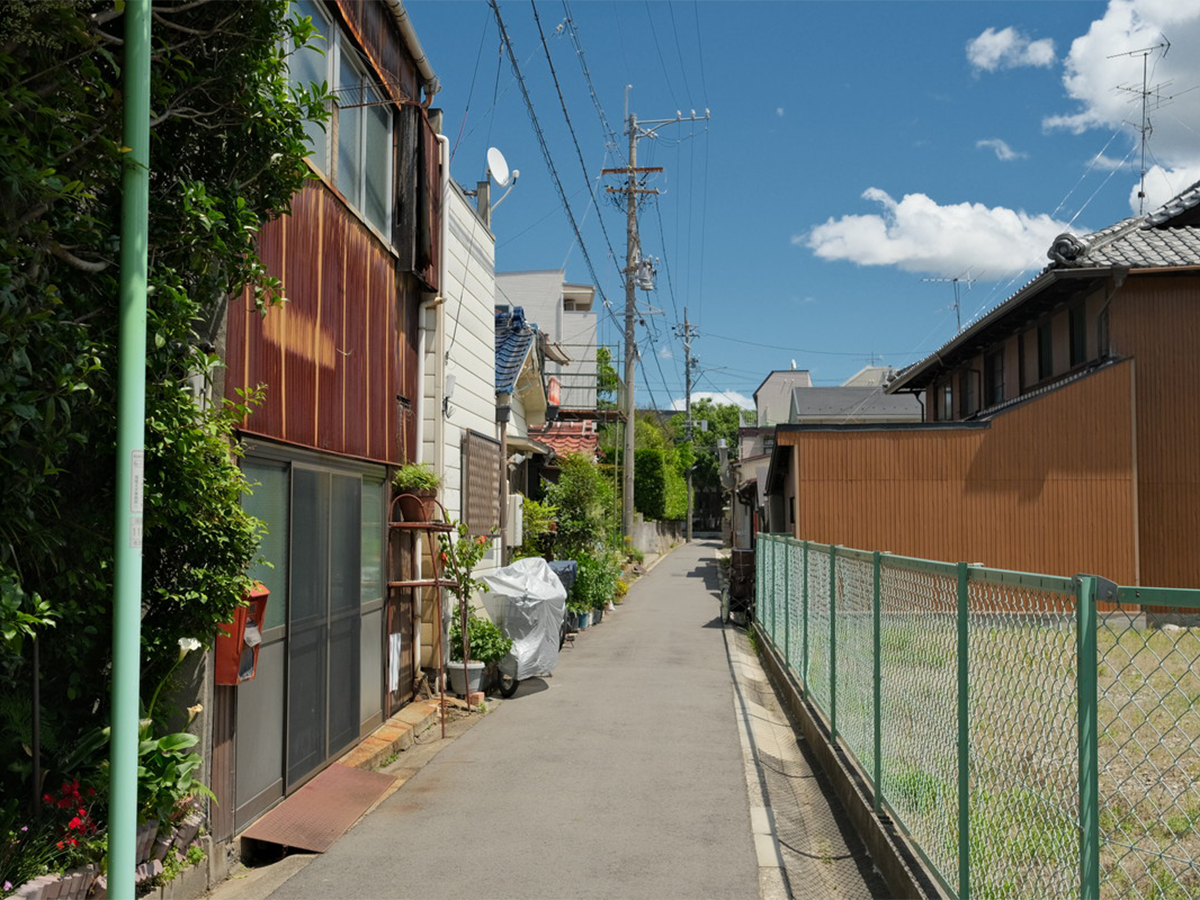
x: 916, y: 372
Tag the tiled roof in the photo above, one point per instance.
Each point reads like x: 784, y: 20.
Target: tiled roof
x: 569, y: 437
x: 1176, y: 206
x: 514, y: 339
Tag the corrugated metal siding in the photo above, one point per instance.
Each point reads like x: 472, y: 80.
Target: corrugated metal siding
x: 336, y: 355
x: 372, y: 25
x: 1047, y: 488
x: 1156, y: 320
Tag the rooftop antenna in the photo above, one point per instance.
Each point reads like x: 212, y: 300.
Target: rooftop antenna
x: 966, y: 279
x: 1152, y: 98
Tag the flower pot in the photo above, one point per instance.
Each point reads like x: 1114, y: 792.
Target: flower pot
x: 597, y: 615
x: 583, y: 619
x: 471, y: 682
x: 417, y: 506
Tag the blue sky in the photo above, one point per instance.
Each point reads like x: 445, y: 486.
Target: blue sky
x: 854, y: 149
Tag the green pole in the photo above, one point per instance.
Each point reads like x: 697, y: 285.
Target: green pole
x: 131, y: 416
x: 964, y: 781
x: 774, y: 596
x: 1089, y: 751
x: 787, y: 603
x: 878, y: 686
x: 833, y: 643
x: 804, y: 624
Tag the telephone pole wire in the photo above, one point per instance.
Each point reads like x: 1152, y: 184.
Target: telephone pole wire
x: 688, y: 332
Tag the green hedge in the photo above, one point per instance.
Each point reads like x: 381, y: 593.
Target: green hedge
x: 660, y: 492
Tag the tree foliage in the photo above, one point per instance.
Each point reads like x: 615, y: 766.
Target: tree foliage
x: 724, y: 420
x: 227, y: 149
x: 584, y: 500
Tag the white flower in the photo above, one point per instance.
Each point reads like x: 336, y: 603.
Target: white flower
x: 186, y: 645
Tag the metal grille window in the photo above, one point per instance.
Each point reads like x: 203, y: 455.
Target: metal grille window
x: 1078, y: 321
x: 354, y: 147
x: 480, y: 483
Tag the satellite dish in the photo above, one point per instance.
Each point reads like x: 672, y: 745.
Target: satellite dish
x: 497, y: 166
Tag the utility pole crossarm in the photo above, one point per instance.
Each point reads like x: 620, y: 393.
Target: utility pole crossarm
x: 624, y: 169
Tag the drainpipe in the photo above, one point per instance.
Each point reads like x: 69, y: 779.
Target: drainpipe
x: 131, y: 417
x: 413, y: 44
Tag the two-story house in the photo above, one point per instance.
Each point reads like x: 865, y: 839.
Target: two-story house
x: 1059, y: 428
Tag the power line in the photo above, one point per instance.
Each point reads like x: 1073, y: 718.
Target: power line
x: 610, y: 135
x: 574, y: 139
x: 562, y: 194
x: 662, y: 62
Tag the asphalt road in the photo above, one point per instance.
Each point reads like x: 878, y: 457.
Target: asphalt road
x: 620, y: 776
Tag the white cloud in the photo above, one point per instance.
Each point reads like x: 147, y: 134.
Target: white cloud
x: 1163, y: 184
x: 665, y: 352
x: 724, y: 397
x: 1098, y: 64
x: 1008, y: 49
x: 917, y: 234
x: 1003, y: 152
x: 779, y: 111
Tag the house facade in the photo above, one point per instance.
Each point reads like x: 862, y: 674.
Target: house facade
x: 564, y: 313
x: 1058, y: 430
x: 338, y: 367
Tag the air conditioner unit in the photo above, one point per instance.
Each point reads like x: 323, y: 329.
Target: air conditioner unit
x: 515, y: 524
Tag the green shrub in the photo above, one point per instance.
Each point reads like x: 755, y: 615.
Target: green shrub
x: 596, y: 582
x: 485, y: 641
x: 584, y: 499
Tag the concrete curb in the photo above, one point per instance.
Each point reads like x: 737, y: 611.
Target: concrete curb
x: 890, y: 851
x: 394, y: 735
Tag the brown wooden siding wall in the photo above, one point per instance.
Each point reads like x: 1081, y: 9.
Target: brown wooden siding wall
x: 372, y: 25
x: 333, y: 358
x: 1047, y: 488
x: 1156, y: 320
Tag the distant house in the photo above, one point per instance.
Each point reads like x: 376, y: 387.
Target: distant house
x: 1060, y: 428
x: 773, y: 398
x: 850, y: 405
x: 564, y: 313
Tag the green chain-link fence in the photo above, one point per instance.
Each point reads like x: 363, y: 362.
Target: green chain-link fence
x: 1034, y: 736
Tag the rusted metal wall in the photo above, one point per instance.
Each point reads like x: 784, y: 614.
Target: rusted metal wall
x: 372, y: 25
x: 1155, y: 319
x: 1047, y: 488
x: 336, y: 356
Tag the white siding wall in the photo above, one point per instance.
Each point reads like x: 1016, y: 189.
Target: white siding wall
x: 469, y: 343
x: 578, y: 339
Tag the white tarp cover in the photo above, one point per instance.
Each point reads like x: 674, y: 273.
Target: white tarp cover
x: 528, y: 602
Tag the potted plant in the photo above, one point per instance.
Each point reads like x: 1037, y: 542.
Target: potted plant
x: 416, y: 486
x: 460, y: 554
x: 487, y: 645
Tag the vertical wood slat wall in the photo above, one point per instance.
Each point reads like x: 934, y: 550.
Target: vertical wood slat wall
x: 334, y: 357
x: 1156, y: 320
x: 1048, y: 487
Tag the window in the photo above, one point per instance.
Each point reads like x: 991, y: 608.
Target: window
x: 1102, y: 348
x: 993, y: 377
x: 1078, y: 320
x: 945, y: 411
x: 354, y: 148
x: 1045, y: 351
x: 967, y: 401
x: 480, y: 483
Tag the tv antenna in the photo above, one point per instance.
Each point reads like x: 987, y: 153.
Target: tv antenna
x: 1152, y: 98
x: 958, y: 280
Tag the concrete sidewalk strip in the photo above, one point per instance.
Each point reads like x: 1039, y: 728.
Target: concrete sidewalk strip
x: 804, y: 846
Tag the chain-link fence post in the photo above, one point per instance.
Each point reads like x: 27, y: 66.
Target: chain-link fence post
x: 833, y: 734
x: 875, y: 652
x: 804, y: 625
x: 787, y: 603
x: 964, y: 755
x: 1089, y: 775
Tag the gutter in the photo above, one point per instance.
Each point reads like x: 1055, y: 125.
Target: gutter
x: 413, y: 44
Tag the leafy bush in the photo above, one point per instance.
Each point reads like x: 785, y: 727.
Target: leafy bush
x: 584, y: 499
x: 219, y: 169
x: 485, y: 641
x: 596, y: 582
x: 415, y: 477
x: 537, y: 521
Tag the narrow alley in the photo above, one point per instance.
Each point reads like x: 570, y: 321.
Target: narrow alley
x: 620, y: 776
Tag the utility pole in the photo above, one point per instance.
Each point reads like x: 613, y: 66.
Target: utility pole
x: 636, y: 130
x: 688, y: 331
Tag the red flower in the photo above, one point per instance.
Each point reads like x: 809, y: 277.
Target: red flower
x: 46, y: 798
x: 82, y: 811
x: 75, y: 823
x: 59, y: 845
x: 91, y: 792
x: 63, y: 804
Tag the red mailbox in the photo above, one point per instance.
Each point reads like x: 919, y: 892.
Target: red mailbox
x: 238, y: 641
